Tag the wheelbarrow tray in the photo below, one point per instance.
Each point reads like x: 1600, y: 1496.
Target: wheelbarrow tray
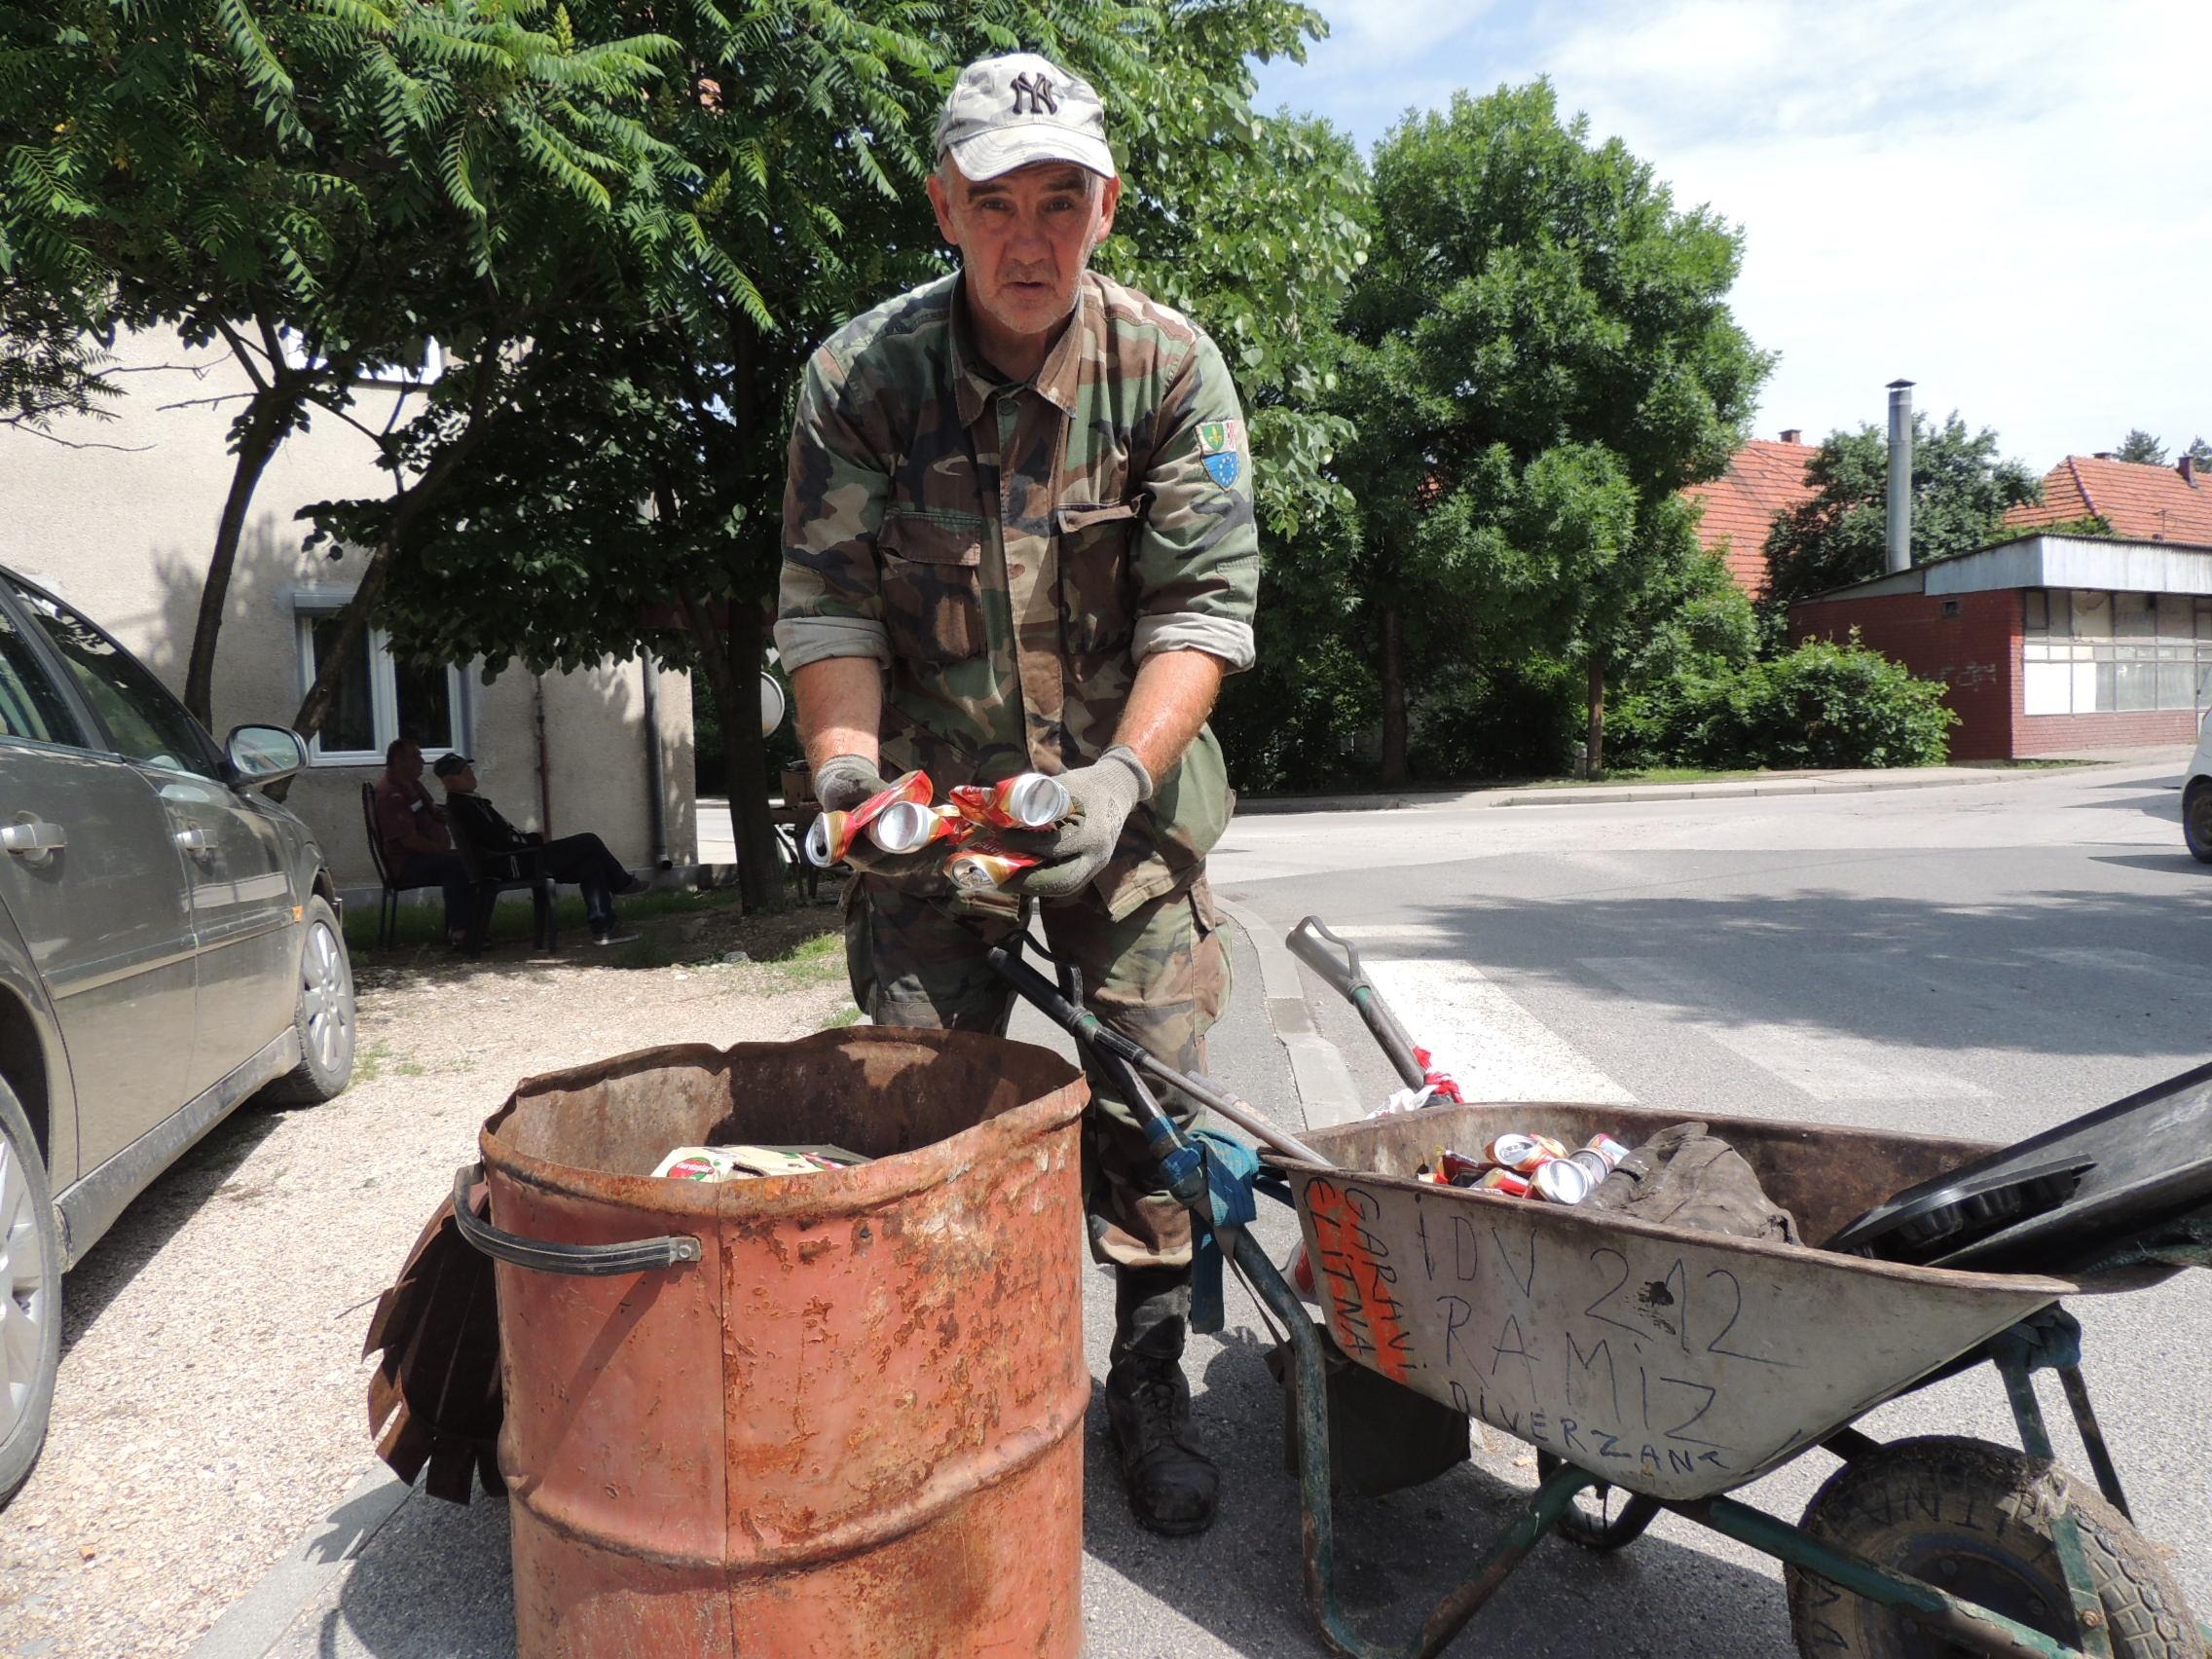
x: 1667, y: 1361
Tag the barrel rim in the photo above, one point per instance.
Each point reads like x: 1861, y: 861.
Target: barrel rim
x: 822, y: 1194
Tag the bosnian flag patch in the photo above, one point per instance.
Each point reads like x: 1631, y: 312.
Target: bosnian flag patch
x: 1220, y: 445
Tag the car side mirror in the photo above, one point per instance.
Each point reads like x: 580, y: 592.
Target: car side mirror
x: 260, y: 755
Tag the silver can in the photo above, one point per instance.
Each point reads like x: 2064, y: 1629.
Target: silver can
x: 1560, y: 1182
x: 1037, y: 800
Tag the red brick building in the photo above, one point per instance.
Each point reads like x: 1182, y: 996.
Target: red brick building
x: 1763, y: 481
x: 2051, y: 643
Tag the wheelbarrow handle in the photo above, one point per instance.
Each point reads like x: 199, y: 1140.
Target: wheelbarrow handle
x: 578, y: 1261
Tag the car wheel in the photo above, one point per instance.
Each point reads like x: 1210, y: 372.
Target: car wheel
x: 323, y: 1019
x: 30, y: 1297
x: 2197, y: 817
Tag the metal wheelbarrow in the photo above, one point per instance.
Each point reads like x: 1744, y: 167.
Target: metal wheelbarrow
x: 1657, y: 1367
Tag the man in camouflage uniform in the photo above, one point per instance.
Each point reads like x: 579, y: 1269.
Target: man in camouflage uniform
x: 1018, y: 536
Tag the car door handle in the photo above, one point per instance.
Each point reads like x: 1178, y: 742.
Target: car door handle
x: 33, y: 838
x: 192, y: 838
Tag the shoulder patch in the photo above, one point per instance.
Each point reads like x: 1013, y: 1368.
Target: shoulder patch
x: 1220, y: 445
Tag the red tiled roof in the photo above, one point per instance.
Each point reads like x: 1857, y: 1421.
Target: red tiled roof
x: 2152, y: 503
x: 1764, y: 480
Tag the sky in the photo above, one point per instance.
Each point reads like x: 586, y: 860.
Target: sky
x: 2006, y: 201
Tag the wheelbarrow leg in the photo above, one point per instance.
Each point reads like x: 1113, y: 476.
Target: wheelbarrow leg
x: 1318, y: 1518
x: 2065, y: 1530
x: 1976, y: 1629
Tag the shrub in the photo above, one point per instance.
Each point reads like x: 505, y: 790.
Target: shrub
x: 1820, y: 705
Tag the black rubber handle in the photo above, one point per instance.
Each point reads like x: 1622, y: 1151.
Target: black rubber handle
x: 578, y: 1261
x: 1339, y: 967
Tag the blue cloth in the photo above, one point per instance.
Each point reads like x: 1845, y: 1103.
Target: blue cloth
x: 1233, y: 1175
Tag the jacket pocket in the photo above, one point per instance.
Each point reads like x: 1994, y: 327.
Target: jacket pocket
x: 1097, y: 608
x: 933, y: 585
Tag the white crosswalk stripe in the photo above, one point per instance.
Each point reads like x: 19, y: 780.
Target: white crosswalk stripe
x: 1826, y: 1064
x: 1494, y: 1048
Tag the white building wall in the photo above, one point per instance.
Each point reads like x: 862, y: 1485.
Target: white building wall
x: 117, y: 519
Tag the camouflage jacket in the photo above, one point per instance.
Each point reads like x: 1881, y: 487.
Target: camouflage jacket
x: 1011, y: 553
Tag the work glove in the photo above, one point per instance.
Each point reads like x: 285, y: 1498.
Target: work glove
x: 844, y: 781
x: 1101, y: 797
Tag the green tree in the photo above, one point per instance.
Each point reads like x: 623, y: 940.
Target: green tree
x: 1960, y: 491
x: 2200, y: 453
x: 2140, y: 446
x: 317, y: 187
x: 1543, y: 356
x: 810, y: 130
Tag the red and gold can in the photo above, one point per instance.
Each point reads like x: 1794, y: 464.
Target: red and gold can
x: 1522, y: 1152
x: 909, y: 826
x: 830, y: 837
x: 1028, y: 800
x: 1503, y: 1181
x: 984, y: 862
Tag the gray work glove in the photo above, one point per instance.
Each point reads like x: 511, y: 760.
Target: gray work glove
x: 1102, y: 797
x: 843, y: 783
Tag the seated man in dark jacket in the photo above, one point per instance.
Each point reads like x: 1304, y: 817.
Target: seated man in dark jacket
x: 582, y: 858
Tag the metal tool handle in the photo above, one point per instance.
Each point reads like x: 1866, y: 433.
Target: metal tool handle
x: 578, y: 1261
x: 1341, y: 968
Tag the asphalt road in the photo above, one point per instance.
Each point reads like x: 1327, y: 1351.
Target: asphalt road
x: 1983, y: 960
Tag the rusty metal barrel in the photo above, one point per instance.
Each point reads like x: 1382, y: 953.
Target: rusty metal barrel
x: 838, y: 1413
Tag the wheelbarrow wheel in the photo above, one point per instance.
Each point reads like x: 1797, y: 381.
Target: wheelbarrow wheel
x: 1975, y: 1520
x: 1602, y: 1517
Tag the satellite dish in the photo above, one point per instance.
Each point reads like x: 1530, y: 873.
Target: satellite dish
x: 773, y: 703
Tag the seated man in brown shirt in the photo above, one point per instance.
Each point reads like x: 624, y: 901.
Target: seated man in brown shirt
x: 411, y: 831
x: 582, y: 858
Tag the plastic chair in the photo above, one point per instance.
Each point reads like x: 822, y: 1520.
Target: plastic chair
x: 388, y: 900
x: 495, y: 873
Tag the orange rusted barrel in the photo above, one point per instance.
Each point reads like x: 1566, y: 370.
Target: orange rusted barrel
x: 848, y: 1417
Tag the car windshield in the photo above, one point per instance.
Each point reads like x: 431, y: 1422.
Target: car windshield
x: 143, y: 721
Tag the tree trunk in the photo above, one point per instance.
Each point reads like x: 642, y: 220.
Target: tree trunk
x: 760, y: 857
x: 731, y: 659
x: 266, y: 417
x: 1393, y: 697
x: 1597, y: 715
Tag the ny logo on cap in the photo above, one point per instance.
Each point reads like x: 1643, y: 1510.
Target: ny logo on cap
x: 1036, y: 91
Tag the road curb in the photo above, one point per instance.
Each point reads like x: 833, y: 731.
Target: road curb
x: 1571, y: 796
x: 255, y: 1622
x: 1326, y: 1093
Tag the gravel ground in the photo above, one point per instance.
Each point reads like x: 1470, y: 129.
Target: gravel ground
x: 212, y: 1397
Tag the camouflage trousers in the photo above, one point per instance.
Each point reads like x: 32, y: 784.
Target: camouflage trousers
x: 1160, y: 977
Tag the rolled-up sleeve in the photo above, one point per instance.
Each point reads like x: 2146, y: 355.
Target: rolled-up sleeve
x: 828, y: 603
x: 1198, y: 555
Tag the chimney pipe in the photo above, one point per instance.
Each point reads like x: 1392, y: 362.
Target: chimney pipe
x: 1792, y: 434
x: 2186, y: 467
x: 1901, y: 476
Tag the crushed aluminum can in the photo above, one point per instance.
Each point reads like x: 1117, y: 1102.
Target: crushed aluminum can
x: 1606, y: 1148
x: 909, y: 826
x: 1561, y: 1181
x: 830, y: 837
x: 984, y: 863
x: 1457, y: 1169
x: 1503, y: 1181
x: 1522, y: 1152
x: 1028, y: 800
x: 1591, y: 1163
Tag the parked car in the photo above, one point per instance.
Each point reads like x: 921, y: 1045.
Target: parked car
x: 169, y: 945
x: 2197, y: 797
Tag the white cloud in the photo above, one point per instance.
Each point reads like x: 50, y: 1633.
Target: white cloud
x: 2001, y: 203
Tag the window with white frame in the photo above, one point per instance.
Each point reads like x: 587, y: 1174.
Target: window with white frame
x: 2086, y: 652
x: 378, y: 697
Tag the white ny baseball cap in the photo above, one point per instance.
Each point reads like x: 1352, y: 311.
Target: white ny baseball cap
x: 1010, y: 112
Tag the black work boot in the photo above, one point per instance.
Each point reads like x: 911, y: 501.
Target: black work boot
x: 1148, y: 1403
